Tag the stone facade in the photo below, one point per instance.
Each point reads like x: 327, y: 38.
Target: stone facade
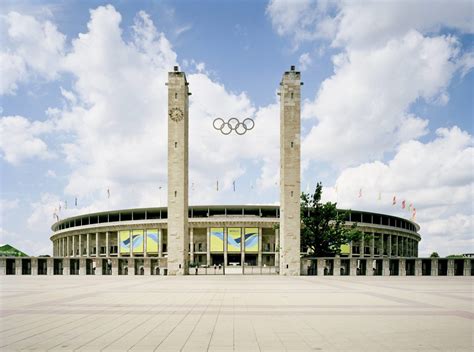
x: 290, y: 183
x: 178, y: 136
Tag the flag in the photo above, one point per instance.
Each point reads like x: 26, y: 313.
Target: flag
x: 217, y: 185
x: 233, y: 185
x: 75, y: 201
x: 410, y: 207
x: 108, y: 193
x: 380, y: 196
x: 394, y: 200
x: 65, y: 204
x: 59, y: 207
x: 414, y: 214
x: 403, y: 204
x: 360, y: 193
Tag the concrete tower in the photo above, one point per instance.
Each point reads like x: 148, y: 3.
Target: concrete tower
x: 290, y: 183
x: 178, y: 125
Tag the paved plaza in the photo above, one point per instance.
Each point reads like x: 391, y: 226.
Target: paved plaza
x: 244, y: 313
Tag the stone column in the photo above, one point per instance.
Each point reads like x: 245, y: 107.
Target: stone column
x: 147, y: 266
x: 369, y: 266
x: 131, y: 266
x: 160, y: 243
x: 80, y: 245
x: 242, y: 249
x: 178, y: 188
x: 98, y: 266
x: 290, y: 183
x: 208, y: 246
x: 353, y: 267
x: 402, y: 267
x: 450, y: 267
x: 337, y: 266
x: 467, y: 267
x: 17, y: 266
x: 118, y: 244
x: 418, y: 267
x: 107, y: 244
x: 259, y: 256
x: 73, y: 246
x: 50, y: 266
x: 277, y: 248
x: 34, y: 266
x: 386, y: 267
x: 3, y: 266
x: 434, y: 266
x: 191, y: 245
x: 114, y: 266
x: 130, y: 238
x: 389, y: 245
x: 88, y: 245
x: 97, y: 249
x: 66, y: 264
x: 362, y: 246
x: 82, y: 266
x: 320, y: 266
x: 145, y: 249
x: 372, y: 245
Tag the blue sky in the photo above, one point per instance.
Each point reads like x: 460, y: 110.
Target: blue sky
x: 387, y: 107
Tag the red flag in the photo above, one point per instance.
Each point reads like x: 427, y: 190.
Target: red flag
x: 403, y: 205
x: 394, y: 201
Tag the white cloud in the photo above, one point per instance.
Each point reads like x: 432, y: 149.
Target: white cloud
x: 436, y: 177
x: 361, y: 24
x: 364, y: 104
x: 304, y: 61
x: 12, y: 71
x: 19, y: 139
x: 32, y: 48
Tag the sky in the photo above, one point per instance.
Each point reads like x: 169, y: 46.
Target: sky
x: 387, y: 108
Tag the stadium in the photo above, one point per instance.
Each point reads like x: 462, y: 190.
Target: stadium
x: 180, y: 239
x: 235, y: 239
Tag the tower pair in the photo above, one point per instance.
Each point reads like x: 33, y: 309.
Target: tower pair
x: 290, y: 184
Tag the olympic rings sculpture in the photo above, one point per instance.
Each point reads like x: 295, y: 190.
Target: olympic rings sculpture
x: 233, y: 125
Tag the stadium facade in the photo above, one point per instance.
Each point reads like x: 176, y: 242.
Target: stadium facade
x: 180, y: 240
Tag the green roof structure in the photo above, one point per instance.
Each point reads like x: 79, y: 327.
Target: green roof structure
x: 9, y: 251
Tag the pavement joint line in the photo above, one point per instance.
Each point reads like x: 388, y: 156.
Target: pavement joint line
x: 156, y: 326
x: 194, y: 327
x: 215, y: 324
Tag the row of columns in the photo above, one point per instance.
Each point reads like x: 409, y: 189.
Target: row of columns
x: 79, y: 266
x: 323, y: 264
x: 72, y: 246
x: 403, y: 246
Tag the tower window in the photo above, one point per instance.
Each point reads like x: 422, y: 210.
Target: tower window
x: 291, y: 95
x: 176, y: 95
x: 291, y: 144
x: 175, y: 193
x: 291, y: 193
x: 176, y: 144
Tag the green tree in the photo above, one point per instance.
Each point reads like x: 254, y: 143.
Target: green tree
x: 434, y: 255
x: 323, y: 228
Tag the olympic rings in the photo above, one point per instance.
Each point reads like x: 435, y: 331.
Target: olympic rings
x: 233, y: 124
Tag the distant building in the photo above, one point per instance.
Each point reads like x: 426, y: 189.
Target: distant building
x: 8, y: 251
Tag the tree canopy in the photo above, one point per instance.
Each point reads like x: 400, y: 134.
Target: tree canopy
x: 323, y: 228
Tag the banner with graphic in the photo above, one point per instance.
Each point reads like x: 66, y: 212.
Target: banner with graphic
x: 124, y: 241
x: 234, y: 237
x: 137, y: 241
x: 152, y: 241
x: 251, y: 240
x: 217, y: 239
